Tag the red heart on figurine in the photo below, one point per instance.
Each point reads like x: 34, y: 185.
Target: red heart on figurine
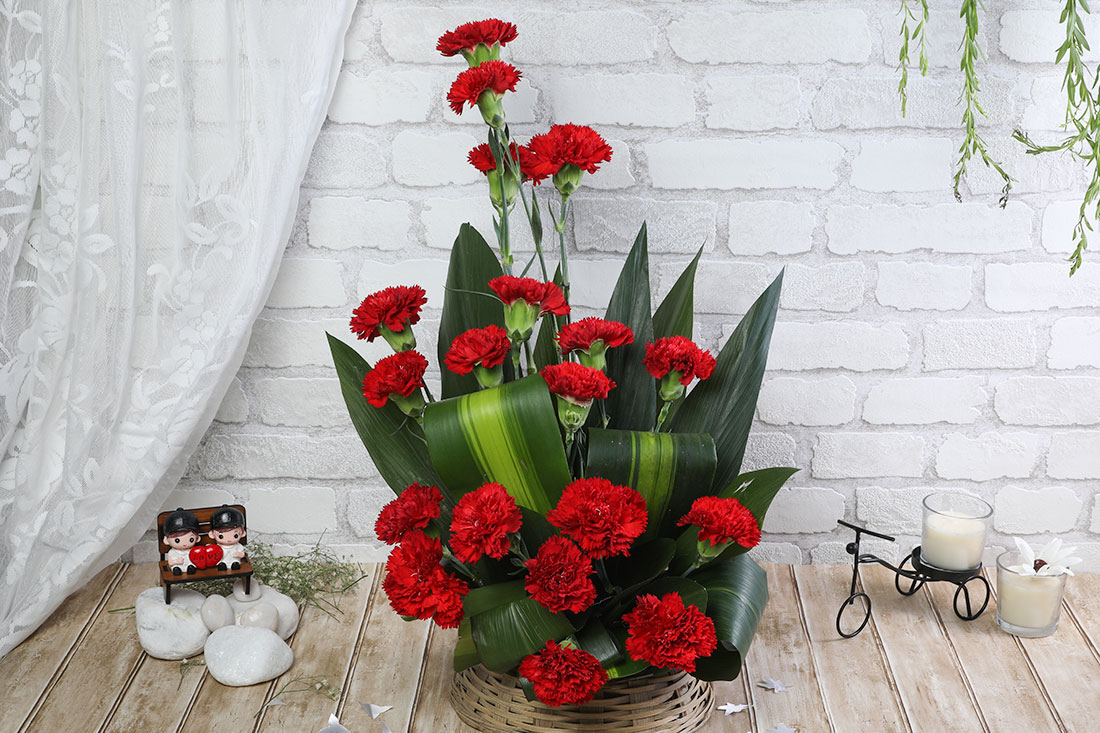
x: 205, y: 556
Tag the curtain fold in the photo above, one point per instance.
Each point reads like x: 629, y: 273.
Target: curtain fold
x: 150, y: 158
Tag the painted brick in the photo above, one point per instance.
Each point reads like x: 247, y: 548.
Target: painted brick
x: 345, y: 222
x: 363, y: 509
x: 1034, y: 35
x: 834, y: 553
x: 793, y: 401
x: 861, y: 347
x: 613, y: 174
x: 1046, y: 109
x: 234, y: 406
x: 836, y: 287
x: 1047, y: 174
x: 645, y: 100
x: 1059, y: 219
x: 442, y: 218
x: 765, y: 450
x: 1040, y: 286
x: 729, y: 164
x: 923, y: 286
x: 1001, y: 343
x: 976, y: 228
x: 872, y: 102
x: 298, y: 510
x: 346, y: 159
x: 941, y: 39
x: 988, y: 456
x: 433, y: 160
x: 1095, y: 526
x: 191, y: 495
x: 360, y: 41
x: 1023, y: 511
x: 1059, y: 400
x: 798, y: 510
x: 777, y: 552
x: 770, y: 227
x: 781, y: 36
x: 903, y: 164
x: 893, y: 510
x: 428, y: 274
x: 1074, y: 342
x: 308, y: 283
x: 868, y: 455
x: 752, y: 102
x: 390, y: 94
x: 1074, y: 455
x: 300, y: 402
x: 592, y: 281
x: 925, y: 400
x: 722, y: 287
x: 257, y: 455
x: 283, y: 342
x: 610, y: 225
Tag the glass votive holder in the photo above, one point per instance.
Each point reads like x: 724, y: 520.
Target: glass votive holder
x: 1027, y: 605
x: 953, y: 530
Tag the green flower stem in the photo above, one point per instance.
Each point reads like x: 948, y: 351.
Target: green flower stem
x: 461, y: 566
x: 503, y: 234
x: 662, y: 416
x: 515, y: 359
x: 531, y: 368
x: 601, y: 573
x: 559, y: 226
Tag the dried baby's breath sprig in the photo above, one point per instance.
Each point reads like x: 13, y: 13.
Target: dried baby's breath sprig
x: 314, y: 684
x: 186, y: 665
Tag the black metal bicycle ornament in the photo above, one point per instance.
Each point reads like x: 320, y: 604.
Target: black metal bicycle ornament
x: 917, y: 577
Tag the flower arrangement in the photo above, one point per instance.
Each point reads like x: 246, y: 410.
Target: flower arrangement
x: 573, y: 501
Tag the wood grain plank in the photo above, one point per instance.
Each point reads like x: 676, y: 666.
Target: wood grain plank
x: 1003, y: 685
x: 1083, y: 602
x: 856, y: 680
x: 736, y: 691
x: 156, y: 698
x: 932, y: 687
x: 35, y: 662
x: 782, y: 652
x: 432, y: 712
x: 386, y: 667
x: 103, y: 660
x: 323, y: 647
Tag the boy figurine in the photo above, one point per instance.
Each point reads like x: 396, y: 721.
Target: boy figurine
x: 227, y: 529
x: 181, y: 533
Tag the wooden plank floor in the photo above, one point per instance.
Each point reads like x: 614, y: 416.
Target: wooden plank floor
x: 916, y: 667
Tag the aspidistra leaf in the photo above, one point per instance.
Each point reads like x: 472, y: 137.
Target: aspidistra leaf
x: 737, y: 592
x: 507, y: 624
x: 676, y: 314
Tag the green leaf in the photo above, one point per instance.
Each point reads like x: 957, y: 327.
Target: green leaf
x: 755, y: 490
x: 737, y: 592
x: 507, y: 624
x: 676, y: 314
x: 473, y: 265
x: 507, y: 434
x: 632, y: 405
x: 395, y: 442
x: 669, y: 469
x: 465, y: 655
x: 723, y: 405
x: 692, y: 593
x: 595, y: 639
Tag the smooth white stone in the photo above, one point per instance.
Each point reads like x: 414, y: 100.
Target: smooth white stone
x: 257, y: 590
x: 171, y: 632
x: 261, y: 615
x: 238, y: 656
x: 288, y: 611
x: 216, y: 613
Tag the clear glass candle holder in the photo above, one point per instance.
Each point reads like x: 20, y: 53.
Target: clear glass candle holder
x: 953, y: 531
x: 1027, y: 605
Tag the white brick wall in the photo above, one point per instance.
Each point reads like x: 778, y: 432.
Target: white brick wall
x: 922, y: 344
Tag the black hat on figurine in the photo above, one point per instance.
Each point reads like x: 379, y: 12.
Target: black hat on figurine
x: 180, y: 520
x: 225, y: 517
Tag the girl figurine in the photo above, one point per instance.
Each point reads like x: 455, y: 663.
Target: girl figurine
x: 181, y: 533
x: 227, y: 529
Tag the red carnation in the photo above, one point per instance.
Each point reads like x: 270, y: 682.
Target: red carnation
x: 399, y: 374
x: 546, y: 295
x: 414, y: 508
x: 495, y: 76
x: 580, y: 335
x: 418, y: 586
x: 485, y: 347
x: 394, y: 307
x: 482, y: 158
x: 563, y: 676
x: 602, y: 517
x: 721, y: 520
x: 666, y: 633
x: 577, y: 145
x: 467, y: 36
x: 482, y: 522
x: 558, y: 577
x: 577, y: 383
x: 678, y: 354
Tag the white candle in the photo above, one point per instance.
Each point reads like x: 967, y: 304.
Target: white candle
x: 952, y: 541
x: 1029, y: 601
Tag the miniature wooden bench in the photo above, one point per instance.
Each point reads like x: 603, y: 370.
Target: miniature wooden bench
x: 168, y: 578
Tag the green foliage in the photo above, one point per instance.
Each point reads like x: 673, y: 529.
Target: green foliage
x: 507, y: 624
x: 917, y: 34
x: 676, y: 314
x: 737, y: 592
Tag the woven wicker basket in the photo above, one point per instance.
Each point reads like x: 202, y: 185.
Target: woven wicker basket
x: 660, y: 702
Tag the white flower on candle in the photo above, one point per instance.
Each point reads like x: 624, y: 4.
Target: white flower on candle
x: 1053, y: 559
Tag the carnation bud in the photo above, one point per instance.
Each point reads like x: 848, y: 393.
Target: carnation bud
x: 487, y: 378
x: 567, y: 179
x: 492, y: 111
x: 403, y: 340
x: 519, y: 319
x: 671, y: 389
x: 595, y: 356
x: 480, y: 53
x: 572, y: 415
x: 511, y: 187
x: 413, y: 405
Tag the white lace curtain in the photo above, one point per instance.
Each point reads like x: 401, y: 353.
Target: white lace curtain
x: 150, y: 159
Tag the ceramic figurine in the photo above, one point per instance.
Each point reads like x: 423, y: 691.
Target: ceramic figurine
x: 181, y: 533
x: 227, y: 529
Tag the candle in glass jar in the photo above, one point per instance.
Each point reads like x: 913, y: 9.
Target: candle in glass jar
x: 1029, y: 601
x: 952, y: 541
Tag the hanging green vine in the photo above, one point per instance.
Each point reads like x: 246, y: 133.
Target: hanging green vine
x: 917, y: 35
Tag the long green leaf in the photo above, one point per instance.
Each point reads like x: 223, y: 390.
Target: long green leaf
x: 546, y: 348
x: 737, y: 592
x: 507, y: 434
x: 723, y: 405
x: 465, y: 654
x: 669, y: 469
x: 676, y: 314
x: 507, y: 624
x: 395, y: 442
x: 756, y: 489
x: 632, y: 405
x: 473, y: 265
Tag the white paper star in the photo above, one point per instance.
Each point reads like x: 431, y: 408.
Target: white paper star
x: 274, y: 701
x: 775, y: 685
x: 386, y: 728
x: 334, y: 726
x: 731, y: 707
x: 375, y: 710
x: 782, y: 728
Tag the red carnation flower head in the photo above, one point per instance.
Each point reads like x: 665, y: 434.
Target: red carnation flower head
x: 567, y: 151
x: 482, y: 351
x: 391, y: 313
x: 484, y: 85
x: 603, y: 518
x: 666, y: 633
x: 399, y: 378
x: 574, y: 387
x: 482, y: 521
x: 525, y: 299
x: 418, y: 586
x: 482, y: 158
x: 558, y: 577
x: 591, y: 338
x: 478, y: 41
x: 722, y: 520
x: 414, y: 508
x: 676, y: 361
x: 562, y: 675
